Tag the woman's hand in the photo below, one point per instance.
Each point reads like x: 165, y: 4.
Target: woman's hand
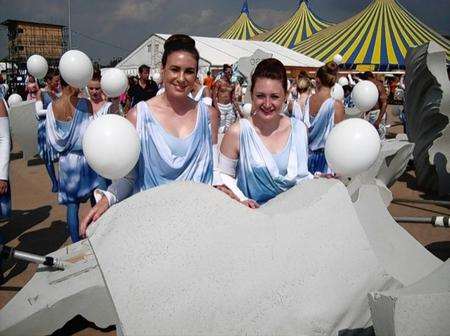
x: 251, y: 204
x: 3, y: 187
x: 93, y: 215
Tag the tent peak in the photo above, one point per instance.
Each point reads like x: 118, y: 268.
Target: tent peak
x: 245, y: 7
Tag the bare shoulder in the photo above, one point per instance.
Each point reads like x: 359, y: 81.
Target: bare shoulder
x: 213, y: 113
x: 132, y: 116
x: 3, y: 110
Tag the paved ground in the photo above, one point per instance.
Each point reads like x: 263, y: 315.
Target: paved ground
x: 38, y: 226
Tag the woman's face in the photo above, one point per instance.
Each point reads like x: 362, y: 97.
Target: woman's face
x: 179, y: 74
x: 95, y: 90
x: 53, y: 83
x: 268, y: 98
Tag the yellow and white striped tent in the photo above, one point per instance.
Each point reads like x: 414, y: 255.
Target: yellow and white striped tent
x: 243, y: 28
x: 377, y: 38
x: 301, y: 25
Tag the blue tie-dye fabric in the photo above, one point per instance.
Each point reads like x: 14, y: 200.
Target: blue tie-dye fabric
x: 258, y: 175
x: 76, y: 178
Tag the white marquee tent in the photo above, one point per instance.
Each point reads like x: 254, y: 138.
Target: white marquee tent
x: 214, y: 52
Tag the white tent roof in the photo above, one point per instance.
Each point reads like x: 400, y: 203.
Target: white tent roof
x: 217, y: 51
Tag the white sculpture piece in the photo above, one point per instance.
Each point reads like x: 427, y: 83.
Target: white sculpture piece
x: 419, y: 309
x: 427, y: 107
x: 246, y: 66
x: 24, y: 127
x: 185, y: 259
x: 389, y: 166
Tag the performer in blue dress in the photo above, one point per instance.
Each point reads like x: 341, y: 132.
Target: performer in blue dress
x: 100, y: 104
x: 324, y: 112
x: 43, y: 99
x: 100, y: 107
x: 176, y: 133
x: 67, y: 120
x: 268, y: 153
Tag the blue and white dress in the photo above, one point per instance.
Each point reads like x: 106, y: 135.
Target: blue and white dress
x: 45, y: 151
x: 321, y: 125
x: 300, y: 113
x: 102, y: 110
x: 165, y: 158
x: 262, y: 175
x: 76, y: 178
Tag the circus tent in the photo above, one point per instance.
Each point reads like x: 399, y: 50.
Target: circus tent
x: 301, y: 25
x: 377, y: 38
x: 243, y: 28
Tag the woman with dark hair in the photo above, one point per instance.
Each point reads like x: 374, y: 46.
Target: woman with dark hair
x: 267, y: 153
x: 67, y: 120
x: 296, y: 107
x: 43, y: 99
x: 324, y: 112
x: 100, y: 105
x: 176, y: 133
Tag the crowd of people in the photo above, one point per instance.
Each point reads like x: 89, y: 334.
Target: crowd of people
x: 189, y: 130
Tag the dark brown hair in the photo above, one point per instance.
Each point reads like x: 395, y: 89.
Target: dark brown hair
x: 97, y: 75
x: 270, y: 68
x: 327, y: 74
x: 50, y: 74
x: 179, y: 42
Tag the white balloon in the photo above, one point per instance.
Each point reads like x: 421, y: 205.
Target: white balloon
x: 343, y: 81
x: 157, y: 77
x: 337, y: 59
x: 111, y: 146
x: 337, y: 92
x: 76, y: 68
x: 14, y: 99
x: 114, y: 82
x: 365, y: 95
x: 247, y: 110
x: 352, y: 147
x: 37, y: 66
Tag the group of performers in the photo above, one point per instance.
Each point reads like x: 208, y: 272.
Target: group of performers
x: 259, y: 157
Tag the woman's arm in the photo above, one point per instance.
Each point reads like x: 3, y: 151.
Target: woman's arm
x: 339, y: 112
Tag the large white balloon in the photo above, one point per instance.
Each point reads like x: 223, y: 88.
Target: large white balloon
x: 76, y: 68
x: 14, y: 99
x: 114, y: 82
x: 352, y: 147
x: 337, y: 92
x: 111, y: 146
x: 337, y: 59
x: 365, y: 95
x: 343, y: 81
x: 37, y: 66
x: 247, y: 110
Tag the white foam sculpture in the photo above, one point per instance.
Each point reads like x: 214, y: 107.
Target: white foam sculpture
x: 185, y: 259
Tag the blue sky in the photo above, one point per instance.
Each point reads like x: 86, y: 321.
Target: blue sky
x: 127, y: 23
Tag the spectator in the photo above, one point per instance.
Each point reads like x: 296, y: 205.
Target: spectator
x: 144, y: 89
